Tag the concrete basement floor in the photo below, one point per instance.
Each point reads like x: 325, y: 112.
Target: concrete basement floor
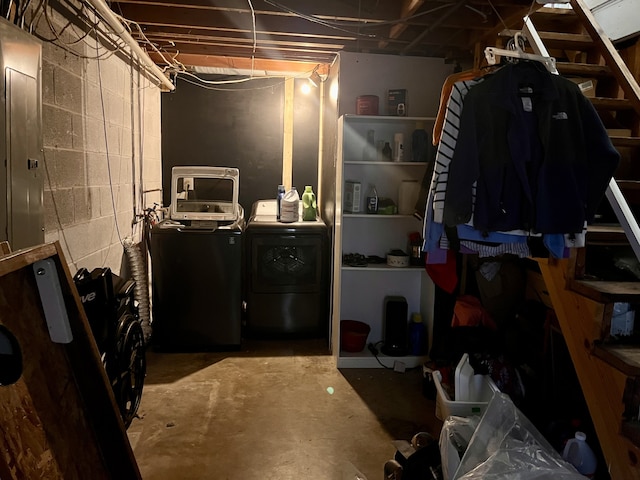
x: 274, y: 410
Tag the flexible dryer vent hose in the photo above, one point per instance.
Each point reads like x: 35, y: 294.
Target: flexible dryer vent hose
x: 141, y: 292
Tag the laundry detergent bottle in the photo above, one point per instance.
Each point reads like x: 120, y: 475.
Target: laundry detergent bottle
x: 309, y: 206
x: 579, y: 454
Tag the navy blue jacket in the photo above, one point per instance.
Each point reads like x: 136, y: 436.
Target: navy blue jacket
x: 538, y: 150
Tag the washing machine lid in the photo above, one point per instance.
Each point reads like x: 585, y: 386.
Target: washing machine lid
x: 263, y: 208
x: 204, y: 193
x: 264, y: 216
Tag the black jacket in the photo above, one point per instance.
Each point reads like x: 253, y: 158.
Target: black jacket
x: 538, y: 150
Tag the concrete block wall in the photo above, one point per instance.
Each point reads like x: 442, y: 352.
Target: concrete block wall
x: 101, y: 136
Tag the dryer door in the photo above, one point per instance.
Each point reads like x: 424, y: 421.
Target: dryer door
x: 286, y: 263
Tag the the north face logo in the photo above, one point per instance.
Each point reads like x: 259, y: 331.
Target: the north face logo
x: 560, y: 116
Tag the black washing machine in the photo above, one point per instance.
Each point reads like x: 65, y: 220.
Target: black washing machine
x: 287, y: 288
x: 196, y: 259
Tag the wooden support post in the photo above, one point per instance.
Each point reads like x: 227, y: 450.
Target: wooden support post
x: 287, y: 144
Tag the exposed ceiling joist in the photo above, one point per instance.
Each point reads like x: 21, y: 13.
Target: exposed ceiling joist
x: 409, y: 7
x: 280, y: 34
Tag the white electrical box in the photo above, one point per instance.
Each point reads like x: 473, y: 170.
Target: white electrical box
x: 21, y: 204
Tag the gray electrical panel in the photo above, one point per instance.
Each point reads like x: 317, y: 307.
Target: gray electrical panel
x: 22, y: 168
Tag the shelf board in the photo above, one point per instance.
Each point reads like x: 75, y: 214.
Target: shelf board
x: 376, y: 215
x: 385, y: 163
x: 379, y: 267
x: 365, y: 359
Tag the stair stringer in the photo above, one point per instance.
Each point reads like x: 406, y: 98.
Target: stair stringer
x: 580, y: 320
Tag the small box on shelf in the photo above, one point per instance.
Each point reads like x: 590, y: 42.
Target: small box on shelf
x: 397, y: 102
x: 352, y: 193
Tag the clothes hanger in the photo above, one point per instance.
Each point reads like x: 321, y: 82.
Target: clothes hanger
x: 515, y: 51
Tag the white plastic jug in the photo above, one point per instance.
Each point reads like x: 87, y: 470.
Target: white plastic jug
x: 579, y: 454
x: 290, y: 206
x: 463, y: 380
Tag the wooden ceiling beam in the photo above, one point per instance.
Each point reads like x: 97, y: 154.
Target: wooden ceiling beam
x: 215, y: 21
x: 317, y: 10
x: 179, y: 30
x: 218, y: 48
x: 313, y: 31
x: 149, y: 28
x: 286, y: 67
x: 169, y: 38
x: 409, y: 7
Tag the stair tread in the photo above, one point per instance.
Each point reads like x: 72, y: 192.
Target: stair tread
x: 631, y: 191
x: 605, y: 228
x: 606, y: 234
x: 583, y: 69
x: 606, y: 291
x: 566, y: 40
x: 604, y: 103
x: 629, y: 184
x: 625, y: 141
x: 557, y: 17
x: 625, y: 358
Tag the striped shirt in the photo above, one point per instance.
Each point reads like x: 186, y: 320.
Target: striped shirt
x: 447, y: 146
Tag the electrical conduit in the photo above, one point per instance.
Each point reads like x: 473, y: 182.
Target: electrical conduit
x: 117, y: 27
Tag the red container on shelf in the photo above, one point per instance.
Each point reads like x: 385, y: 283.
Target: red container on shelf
x: 367, y: 105
x: 353, y: 335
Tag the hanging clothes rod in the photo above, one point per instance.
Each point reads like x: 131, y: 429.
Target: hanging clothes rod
x: 492, y: 54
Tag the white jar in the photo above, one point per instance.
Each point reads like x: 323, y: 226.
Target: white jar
x: 408, y: 196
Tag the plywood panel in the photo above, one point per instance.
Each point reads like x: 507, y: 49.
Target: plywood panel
x: 60, y: 419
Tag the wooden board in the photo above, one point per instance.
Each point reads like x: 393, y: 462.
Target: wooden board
x: 625, y: 358
x: 60, y: 419
x: 605, y: 291
x: 603, y: 385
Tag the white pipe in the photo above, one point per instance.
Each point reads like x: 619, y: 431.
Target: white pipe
x: 117, y: 27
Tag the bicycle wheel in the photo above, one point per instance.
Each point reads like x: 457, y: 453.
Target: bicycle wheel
x: 132, y: 368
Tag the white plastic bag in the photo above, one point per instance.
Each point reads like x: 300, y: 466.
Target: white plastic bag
x: 507, y: 446
x: 454, y: 438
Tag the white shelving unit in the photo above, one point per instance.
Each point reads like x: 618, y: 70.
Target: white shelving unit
x: 359, y: 292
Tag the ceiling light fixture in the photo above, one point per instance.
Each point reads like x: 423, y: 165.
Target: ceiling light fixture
x: 315, y: 79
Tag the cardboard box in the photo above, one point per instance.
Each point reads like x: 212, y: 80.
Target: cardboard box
x: 352, y: 197
x: 587, y: 85
x: 397, y: 102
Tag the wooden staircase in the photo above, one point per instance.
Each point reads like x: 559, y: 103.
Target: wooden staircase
x: 583, y: 300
